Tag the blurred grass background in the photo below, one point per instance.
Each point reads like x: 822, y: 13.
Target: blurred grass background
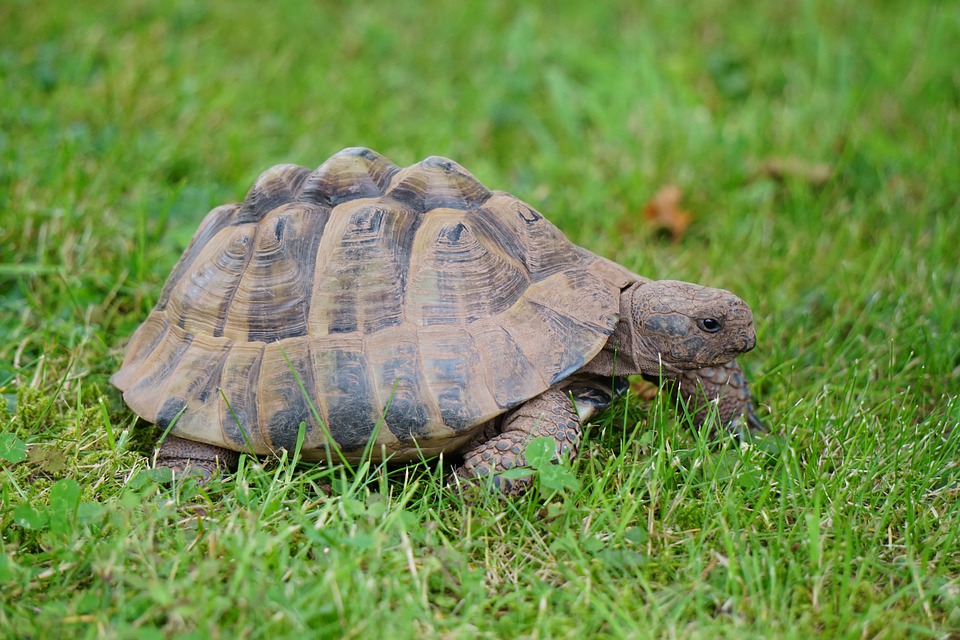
x: 816, y: 147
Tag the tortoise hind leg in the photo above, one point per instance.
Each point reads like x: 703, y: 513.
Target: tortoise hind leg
x: 186, y: 457
x: 551, y: 414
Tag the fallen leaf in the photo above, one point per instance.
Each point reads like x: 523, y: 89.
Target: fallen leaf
x: 814, y: 173
x: 49, y: 460
x: 644, y: 389
x: 663, y: 212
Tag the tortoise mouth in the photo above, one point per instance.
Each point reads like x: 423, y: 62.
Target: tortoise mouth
x: 721, y: 360
x: 746, y: 344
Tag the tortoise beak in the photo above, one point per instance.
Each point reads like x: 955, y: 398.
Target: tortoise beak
x: 745, y: 342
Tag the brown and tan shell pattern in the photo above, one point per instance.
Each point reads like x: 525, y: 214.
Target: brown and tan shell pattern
x: 406, y: 305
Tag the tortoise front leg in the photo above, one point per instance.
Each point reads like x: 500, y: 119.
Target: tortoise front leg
x: 186, y: 457
x: 727, y: 386
x: 551, y: 414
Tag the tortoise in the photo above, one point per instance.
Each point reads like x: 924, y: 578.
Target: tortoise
x: 400, y: 313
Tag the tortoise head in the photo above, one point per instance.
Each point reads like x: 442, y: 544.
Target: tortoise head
x: 679, y: 326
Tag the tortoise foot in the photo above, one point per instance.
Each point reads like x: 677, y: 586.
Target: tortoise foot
x: 470, y: 480
x: 549, y: 415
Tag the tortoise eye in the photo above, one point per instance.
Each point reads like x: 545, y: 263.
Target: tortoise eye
x: 710, y: 325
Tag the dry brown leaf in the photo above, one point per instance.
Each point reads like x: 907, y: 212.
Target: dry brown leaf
x: 814, y: 173
x: 644, y: 389
x: 663, y: 212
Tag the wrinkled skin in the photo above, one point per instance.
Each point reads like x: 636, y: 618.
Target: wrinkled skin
x: 725, y: 386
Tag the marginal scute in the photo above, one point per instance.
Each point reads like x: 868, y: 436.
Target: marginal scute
x: 345, y: 391
x: 285, y: 393
x: 170, y: 412
x: 143, y: 342
x: 237, y: 398
x: 400, y: 308
x: 393, y: 355
x: 144, y: 392
x: 193, y: 384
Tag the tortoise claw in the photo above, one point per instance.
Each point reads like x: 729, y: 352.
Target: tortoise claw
x: 747, y: 425
x: 755, y: 426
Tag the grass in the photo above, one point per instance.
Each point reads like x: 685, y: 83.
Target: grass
x: 122, y: 123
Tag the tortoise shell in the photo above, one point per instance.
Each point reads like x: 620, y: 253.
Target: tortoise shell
x: 408, y: 306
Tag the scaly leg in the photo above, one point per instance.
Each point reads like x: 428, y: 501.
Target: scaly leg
x: 727, y: 386
x: 551, y: 414
x: 186, y: 457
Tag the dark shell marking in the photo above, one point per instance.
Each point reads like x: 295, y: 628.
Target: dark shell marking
x: 410, y: 305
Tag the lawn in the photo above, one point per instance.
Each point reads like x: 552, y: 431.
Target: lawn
x: 816, y: 148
